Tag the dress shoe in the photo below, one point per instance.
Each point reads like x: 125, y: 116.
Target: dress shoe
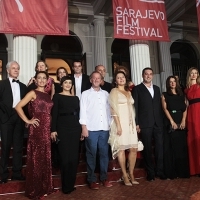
x: 161, y: 176
x: 106, y: 183
x: 94, y: 186
x: 17, y: 178
x: 150, y: 178
x: 69, y: 191
x: 127, y: 181
x: 3, y: 181
x: 132, y: 180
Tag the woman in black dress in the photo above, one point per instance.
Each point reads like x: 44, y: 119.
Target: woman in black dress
x: 176, y: 164
x: 65, y: 126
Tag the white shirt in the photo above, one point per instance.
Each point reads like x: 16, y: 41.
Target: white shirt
x: 151, y: 90
x: 78, y: 83
x: 15, y: 92
x: 95, y: 110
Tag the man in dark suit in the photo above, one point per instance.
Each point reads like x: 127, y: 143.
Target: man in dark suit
x: 149, y: 123
x: 104, y: 85
x: 81, y: 81
x: 11, y: 125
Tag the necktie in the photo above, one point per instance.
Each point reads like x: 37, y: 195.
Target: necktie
x: 17, y: 81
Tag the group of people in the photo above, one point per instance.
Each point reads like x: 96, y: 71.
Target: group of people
x: 79, y: 107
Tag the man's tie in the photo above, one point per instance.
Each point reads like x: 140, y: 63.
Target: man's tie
x: 17, y: 81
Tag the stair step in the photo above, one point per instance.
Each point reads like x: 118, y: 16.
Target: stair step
x: 81, y: 179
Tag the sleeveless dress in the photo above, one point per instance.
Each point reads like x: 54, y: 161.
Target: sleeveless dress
x: 38, y: 170
x: 193, y: 125
x: 128, y: 139
x: 176, y: 163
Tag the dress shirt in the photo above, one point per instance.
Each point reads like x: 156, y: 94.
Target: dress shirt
x: 150, y: 89
x: 95, y: 110
x: 15, y: 92
x: 78, y: 83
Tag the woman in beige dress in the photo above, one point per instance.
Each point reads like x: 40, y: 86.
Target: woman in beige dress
x: 123, y: 135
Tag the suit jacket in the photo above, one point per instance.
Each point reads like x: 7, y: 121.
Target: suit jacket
x: 85, y: 85
x: 6, y: 99
x: 148, y: 110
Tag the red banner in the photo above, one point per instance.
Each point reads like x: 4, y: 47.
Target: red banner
x: 140, y: 20
x: 198, y: 14
x: 42, y: 17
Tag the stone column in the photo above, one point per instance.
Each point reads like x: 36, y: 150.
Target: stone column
x: 25, y: 53
x: 139, y: 59
x: 165, y: 63
x: 100, y: 53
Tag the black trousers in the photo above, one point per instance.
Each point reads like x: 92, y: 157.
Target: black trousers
x: 153, y: 166
x: 12, y: 134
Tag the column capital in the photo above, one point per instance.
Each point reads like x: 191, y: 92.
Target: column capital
x: 99, y: 20
x: 134, y: 42
x: 16, y: 35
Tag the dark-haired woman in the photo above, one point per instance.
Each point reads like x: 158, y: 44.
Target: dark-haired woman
x: 65, y: 126
x: 176, y: 163
x: 38, y: 171
x: 32, y: 85
x: 123, y: 134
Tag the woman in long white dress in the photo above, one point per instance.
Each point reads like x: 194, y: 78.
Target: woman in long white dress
x: 123, y: 134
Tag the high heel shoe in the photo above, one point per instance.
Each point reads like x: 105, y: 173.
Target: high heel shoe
x: 126, y: 181
x: 133, y: 181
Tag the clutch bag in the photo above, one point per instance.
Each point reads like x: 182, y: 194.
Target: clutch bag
x: 140, y: 146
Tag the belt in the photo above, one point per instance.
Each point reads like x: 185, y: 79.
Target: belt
x: 67, y: 114
x: 192, y: 101
x: 175, y: 111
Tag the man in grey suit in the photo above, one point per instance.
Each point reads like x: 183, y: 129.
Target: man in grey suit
x: 149, y: 121
x: 11, y: 125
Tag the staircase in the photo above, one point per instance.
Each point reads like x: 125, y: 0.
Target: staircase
x: 114, y: 173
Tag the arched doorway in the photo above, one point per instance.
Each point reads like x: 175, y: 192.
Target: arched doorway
x: 121, y: 55
x: 3, y: 56
x: 60, y: 51
x: 183, y: 56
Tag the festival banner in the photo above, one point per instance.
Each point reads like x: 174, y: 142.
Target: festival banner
x: 140, y: 20
x: 198, y: 14
x: 42, y: 17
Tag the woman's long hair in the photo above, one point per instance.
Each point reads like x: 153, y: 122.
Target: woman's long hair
x: 177, y: 89
x: 57, y: 71
x: 114, y: 84
x: 188, y: 81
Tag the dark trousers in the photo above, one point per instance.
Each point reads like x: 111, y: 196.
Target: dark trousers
x: 12, y: 133
x: 147, y: 134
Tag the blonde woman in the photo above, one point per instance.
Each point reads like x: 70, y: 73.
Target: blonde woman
x: 193, y: 95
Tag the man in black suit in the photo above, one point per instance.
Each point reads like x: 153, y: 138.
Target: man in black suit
x: 81, y: 81
x: 11, y: 125
x: 104, y: 85
x: 149, y: 121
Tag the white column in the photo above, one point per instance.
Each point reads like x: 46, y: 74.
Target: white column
x: 25, y: 53
x: 165, y: 63
x: 90, y: 53
x: 100, y: 54
x: 139, y: 59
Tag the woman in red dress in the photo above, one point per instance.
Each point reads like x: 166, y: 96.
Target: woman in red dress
x: 193, y: 125
x: 38, y: 171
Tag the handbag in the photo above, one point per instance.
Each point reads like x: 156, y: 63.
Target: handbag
x: 140, y: 145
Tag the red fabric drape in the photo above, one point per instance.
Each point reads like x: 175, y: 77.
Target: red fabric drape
x: 140, y: 20
x: 34, y: 17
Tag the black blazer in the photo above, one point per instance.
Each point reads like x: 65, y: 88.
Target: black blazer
x: 6, y: 99
x: 148, y: 110
x: 85, y: 85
